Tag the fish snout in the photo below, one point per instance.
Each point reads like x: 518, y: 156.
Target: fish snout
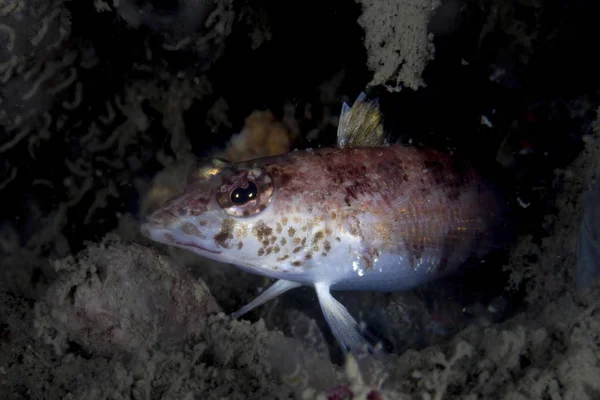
x: 146, y: 230
x: 161, y: 217
x: 158, y: 220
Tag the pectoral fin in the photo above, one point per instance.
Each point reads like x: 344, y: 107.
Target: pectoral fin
x: 279, y: 287
x: 342, y: 324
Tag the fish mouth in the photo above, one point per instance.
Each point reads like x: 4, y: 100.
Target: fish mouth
x: 163, y: 235
x: 196, y: 246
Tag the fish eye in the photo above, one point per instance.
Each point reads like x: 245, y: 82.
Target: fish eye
x: 246, y: 192
x: 243, y: 194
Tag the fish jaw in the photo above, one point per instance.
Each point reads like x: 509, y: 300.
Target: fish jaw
x: 218, y: 240
x: 164, y: 227
x: 189, y: 220
x: 173, y: 237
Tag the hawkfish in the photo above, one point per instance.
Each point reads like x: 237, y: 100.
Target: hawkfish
x: 364, y: 215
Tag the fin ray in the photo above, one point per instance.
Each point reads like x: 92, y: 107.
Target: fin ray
x: 343, y: 326
x: 361, y: 125
x: 276, y: 289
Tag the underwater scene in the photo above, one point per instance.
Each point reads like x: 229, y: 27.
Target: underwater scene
x: 329, y: 200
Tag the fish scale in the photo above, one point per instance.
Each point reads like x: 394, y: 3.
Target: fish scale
x: 362, y: 216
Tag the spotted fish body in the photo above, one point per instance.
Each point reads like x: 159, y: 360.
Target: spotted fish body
x: 374, y: 218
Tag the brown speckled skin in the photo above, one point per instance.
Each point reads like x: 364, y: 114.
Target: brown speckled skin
x: 399, y: 215
x: 410, y: 194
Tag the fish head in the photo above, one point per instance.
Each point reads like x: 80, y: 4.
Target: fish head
x: 221, y: 215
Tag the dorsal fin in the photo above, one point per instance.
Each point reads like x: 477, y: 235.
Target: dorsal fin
x: 361, y: 125
x: 205, y: 168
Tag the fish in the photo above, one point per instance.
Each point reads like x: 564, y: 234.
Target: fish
x: 365, y: 215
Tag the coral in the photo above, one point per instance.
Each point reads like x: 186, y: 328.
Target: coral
x: 214, y: 363
x: 34, y: 67
x: 509, y: 17
x: 102, y: 136
x: 198, y: 26
x: 226, y: 359
x: 356, y: 387
x: 114, y: 298
x: 397, y: 41
x: 178, y: 17
x: 112, y: 157
x: 25, y: 260
x: 542, y: 267
x: 261, y: 136
x: 98, y: 99
x: 128, y: 302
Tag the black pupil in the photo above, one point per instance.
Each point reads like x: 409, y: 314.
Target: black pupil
x: 242, y: 195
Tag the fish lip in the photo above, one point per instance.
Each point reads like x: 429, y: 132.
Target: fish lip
x: 146, y: 232
x: 196, y: 246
